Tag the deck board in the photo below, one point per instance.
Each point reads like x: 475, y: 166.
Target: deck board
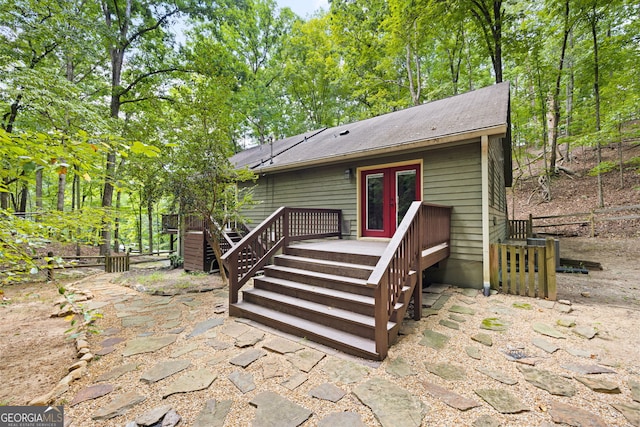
x: 359, y: 247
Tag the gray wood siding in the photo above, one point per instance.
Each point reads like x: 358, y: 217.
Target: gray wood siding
x: 451, y: 176
x: 324, y: 187
x: 497, y: 206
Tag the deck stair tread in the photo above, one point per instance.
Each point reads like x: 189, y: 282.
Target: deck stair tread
x: 326, y: 276
x: 356, y: 298
x: 435, y: 248
x: 336, y: 254
x: 314, y: 307
x: 305, y: 328
x: 327, y: 262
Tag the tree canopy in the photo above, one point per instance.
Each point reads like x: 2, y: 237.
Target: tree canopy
x: 113, y: 107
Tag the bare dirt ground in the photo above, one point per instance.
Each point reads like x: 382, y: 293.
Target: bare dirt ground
x: 617, y: 285
x: 578, y: 192
x: 34, y: 352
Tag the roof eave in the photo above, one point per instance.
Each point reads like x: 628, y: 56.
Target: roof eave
x: 499, y: 130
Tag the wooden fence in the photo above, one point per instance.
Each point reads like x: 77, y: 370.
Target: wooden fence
x: 524, y: 270
x: 571, y: 223
x: 113, y: 263
x: 117, y: 263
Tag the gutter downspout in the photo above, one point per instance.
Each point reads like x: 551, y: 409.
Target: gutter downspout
x: 486, y: 270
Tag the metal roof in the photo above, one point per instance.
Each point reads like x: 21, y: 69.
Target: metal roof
x: 445, y: 120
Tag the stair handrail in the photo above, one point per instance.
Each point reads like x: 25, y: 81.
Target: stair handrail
x: 400, y: 258
x: 241, y: 270
x: 254, y: 251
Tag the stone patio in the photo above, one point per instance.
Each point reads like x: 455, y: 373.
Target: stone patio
x: 471, y: 359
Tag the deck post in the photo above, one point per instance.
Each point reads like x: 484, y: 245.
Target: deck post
x: 486, y: 235
x: 417, y: 290
x: 494, y: 266
x: 550, y: 260
x: 233, y: 279
x: 286, y: 226
x: 381, y: 316
x: 50, y: 267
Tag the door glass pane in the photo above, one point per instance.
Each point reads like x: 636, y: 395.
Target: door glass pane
x: 374, y: 201
x: 405, y: 192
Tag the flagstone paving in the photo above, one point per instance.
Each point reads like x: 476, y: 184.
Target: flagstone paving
x: 503, y: 401
x: 277, y: 411
x: 548, y: 381
x: 163, y: 370
x: 392, y: 405
x: 212, y: 370
x: 191, y: 381
x: 327, y: 391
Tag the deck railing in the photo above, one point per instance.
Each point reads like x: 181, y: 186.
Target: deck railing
x: 193, y: 223
x: 285, y: 225
x: 520, y: 229
x: 170, y: 223
x: 424, y: 226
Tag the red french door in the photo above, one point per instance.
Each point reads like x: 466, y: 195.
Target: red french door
x: 386, y: 196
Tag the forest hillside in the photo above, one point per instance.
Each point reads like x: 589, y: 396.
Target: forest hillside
x: 574, y: 190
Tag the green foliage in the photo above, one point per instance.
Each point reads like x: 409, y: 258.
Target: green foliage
x: 176, y: 261
x: 83, y: 319
x: 634, y: 162
x: 602, y: 168
x: 21, y: 237
x: 171, y: 115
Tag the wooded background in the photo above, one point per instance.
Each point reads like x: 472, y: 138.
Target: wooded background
x: 114, y: 111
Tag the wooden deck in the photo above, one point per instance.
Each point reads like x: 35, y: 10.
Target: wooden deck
x: 351, y: 295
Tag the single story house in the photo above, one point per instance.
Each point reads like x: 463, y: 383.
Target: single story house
x: 454, y: 152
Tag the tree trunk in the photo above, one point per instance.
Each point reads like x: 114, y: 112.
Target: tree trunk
x: 596, y: 90
x: 552, y: 132
x: 569, y: 112
x: 150, y: 225
x: 4, y: 197
x: 62, y: 176
x: 546, y: 185
x: 555, y: 103
x: 75, y: 201
x: 62, y: 182
x: 74, y: 195
x: 497, y: 39
x: 140, y: 225
x: 214, y: 242
x: 620, y: 159
x: 39, y: 189
x: 414, y: 81
x: 489, y: 15
x: 24, y: 196
x: 117, y: 61
x: 116, y: 228
x: 8, y: 122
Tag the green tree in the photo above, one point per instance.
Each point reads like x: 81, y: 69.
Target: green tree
x: 490, y: 17
x: 313, y: 77
x: 202, y: 178
x: 138, y: 32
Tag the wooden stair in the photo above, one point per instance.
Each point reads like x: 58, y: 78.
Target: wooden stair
x: 319, y: 294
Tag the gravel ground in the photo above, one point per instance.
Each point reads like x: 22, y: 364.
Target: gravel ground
x: 615, y: 345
